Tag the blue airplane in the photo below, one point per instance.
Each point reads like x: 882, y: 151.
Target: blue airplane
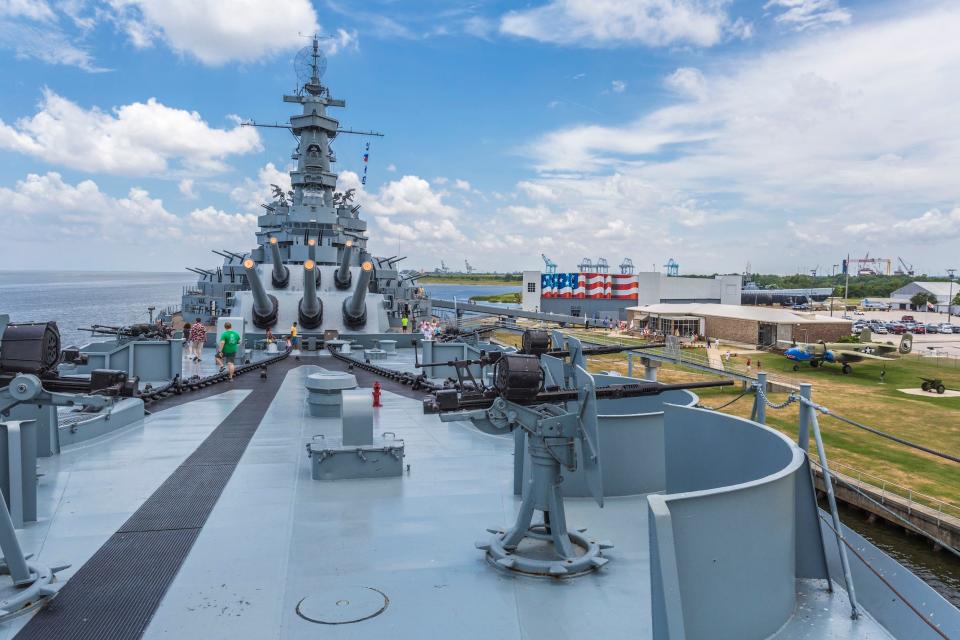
x: 844, y: 353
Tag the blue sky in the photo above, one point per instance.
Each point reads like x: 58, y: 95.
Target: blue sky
x: 784, y: 133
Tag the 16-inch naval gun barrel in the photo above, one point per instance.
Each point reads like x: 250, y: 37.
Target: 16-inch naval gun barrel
x: 310, y: 310
x: 343, y: 277
x: 265, y: 307
x: 281, y: 274
x: 355, y: 307
x: 312, y: 249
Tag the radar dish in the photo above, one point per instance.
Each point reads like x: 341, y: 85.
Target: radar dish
x: 304, y: 61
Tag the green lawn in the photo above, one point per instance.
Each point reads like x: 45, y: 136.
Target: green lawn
x: 933, y: 421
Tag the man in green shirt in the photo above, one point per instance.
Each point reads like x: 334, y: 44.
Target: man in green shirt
x: 229, y: 342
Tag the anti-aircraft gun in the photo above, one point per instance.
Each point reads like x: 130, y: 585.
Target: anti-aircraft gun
x: 265, y: 306
x: 559, y: 425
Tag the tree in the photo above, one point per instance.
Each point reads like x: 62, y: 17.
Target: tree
x: 956, y: 300
x: 922, y: 299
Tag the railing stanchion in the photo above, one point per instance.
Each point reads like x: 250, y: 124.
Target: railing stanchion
x: 831, y: 499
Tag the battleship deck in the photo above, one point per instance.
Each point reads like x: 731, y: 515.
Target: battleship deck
x: 274, y: 536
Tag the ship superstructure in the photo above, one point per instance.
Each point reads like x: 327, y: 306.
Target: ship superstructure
x: 312, y: 227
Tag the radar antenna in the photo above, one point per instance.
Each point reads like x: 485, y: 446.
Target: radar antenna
x: 310, y: 64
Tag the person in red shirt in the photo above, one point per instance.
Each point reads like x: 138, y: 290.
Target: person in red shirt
x: 198, y: 335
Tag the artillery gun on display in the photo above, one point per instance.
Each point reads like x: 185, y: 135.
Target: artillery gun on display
x: 548, y: 395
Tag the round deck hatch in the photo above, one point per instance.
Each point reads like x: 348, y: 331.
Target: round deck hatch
x: 343, y: 605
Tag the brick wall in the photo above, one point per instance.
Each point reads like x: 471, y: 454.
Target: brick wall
x: 826, y: 331
x: 746, y: 331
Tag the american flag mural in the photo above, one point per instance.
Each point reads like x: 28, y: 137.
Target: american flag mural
x: 588, y: 285
x: 624, y: 286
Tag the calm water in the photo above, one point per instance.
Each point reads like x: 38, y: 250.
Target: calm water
x: 80, y: 298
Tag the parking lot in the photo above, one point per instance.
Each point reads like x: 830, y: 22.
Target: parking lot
x: 934, y: 344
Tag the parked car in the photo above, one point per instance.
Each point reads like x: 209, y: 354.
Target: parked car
x: 919, y: 328
x: 879, y: 329
x: 896, y: 328
x: 908, y: 319
x: 932, y: 328
x: 946, y: 327
x: 857, y: 312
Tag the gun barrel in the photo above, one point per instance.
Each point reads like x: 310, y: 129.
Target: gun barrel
x: 281, y: 274
x: 265, y: 307
x: 310, y: 311
x: 312, y: 249
x: 355, y: 307
x: 342, y: 277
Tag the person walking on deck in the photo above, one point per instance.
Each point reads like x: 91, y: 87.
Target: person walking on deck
x: 227, y: 348
x: 198, y: 335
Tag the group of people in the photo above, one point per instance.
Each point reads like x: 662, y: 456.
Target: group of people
x: 430, y: 329
x: 195, y: 335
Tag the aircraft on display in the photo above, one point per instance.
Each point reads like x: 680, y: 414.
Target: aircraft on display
x: 845, y: 353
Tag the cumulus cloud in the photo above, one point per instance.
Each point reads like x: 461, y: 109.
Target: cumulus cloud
x: 603, y: 23
x: 218, y: 31
x: 463, y: 185
x: 186, y: 189
x: 141, y: 138
x: 618, y: 86
x: 688, y: 81
x: 250, y: 194
x: 823, y: 131
x: 408, y: 195
x: 806, y: 14
x: 49, y: 204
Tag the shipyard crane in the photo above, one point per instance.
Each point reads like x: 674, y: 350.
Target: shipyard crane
x: 672, y: 267
x: 906, y: 269
x: 550, y: 265
x: 602, y: 266
x: 466, y: 265
x: 586, y: 265
x: 626, y: 267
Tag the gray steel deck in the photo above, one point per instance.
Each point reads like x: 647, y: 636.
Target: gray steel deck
x: 276, y: 536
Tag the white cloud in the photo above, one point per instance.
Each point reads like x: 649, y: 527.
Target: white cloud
x: 391, y: 168
x: 342, y: 40
x: 850, y: 125
x: 409, y: 195
x: 535, y: 190
x: 463, y: 185
x: 688, y: 81
x: 602, y: 23
x: 218, y: 31
x: 806, y: 14
x: 186, y: 189
x: 142, y: 138
x: 31, y: 9
x: 48, y: 205
x: 618, y: 86
x: 250, y: 194
x: 931, y: 226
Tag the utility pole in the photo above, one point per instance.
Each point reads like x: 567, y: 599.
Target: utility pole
x: 950, y: 297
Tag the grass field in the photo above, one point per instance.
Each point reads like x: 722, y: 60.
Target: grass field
x: 500, y: 297
x: 509, y: 280
x: 933, y: 421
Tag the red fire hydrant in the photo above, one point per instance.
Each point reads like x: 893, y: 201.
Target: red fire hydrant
x: 376, y: 394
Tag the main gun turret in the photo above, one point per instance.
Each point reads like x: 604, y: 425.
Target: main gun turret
x: 343, y: 277
x: 355, y: 307
x: 281, y: 274
x: 310, y: 310
x: 265, y: 307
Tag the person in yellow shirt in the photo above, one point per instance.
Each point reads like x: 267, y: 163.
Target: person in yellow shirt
x: 404, y: 321
x: 294, y: 340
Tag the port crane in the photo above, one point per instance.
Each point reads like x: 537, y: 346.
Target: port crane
x: 626, y: 267
x: 468, y: 266
x: 549, y: 264
x: 586, y: 265
x: 905, y: 269
x: 672, y: 267
x: 601, y: 266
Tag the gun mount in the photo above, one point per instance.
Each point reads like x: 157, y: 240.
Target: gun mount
x: 310, y: 310
x: 343, y: 278
x: 30, y: 347
x: 280, y: 275
x: 560, y: 428
x: 142, y: 331
x: 265, y: 307
x: 355, y: 307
